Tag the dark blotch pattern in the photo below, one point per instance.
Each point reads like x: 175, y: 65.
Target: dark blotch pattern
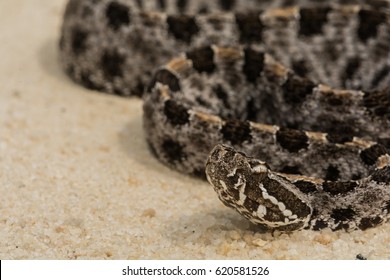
x: 138, y: 89
x: 79, y: 39
x: 369, y: 20
x: 227, y: 5
x: 305, y: 186
x: 366, y: 223
x: 352, y: 66
x: 336, y: 188
x: 167, y: 78
x: 296, y: 88
x: 202, y: 59
x: 117, y: 15
x: 291, y: 169
x: 182, y: 27
x: 320, y: 224
x: 288, y: 3
x: 181, y: 5
x: 381, y: 175
x: 111, y: 63
x: 292, y: 140
x: 371, y: 154
x: 203, y: 10
x: 251, y: 110
x: 173, y: 151
x: 378, y: 102
x: 300, y: 68
x: 176, y: 113
x: 332, y: 173
x: 342, y: 215
x: 312, y: 20
x: 340, y: 132
x: 236, y: 131
x: 253, y: 64
x: 250, y: 27
x: 162, y: 4
x: 220, y: 92
x: 202, y: 102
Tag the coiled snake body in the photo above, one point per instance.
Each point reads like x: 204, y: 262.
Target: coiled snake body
x: 303, y: 90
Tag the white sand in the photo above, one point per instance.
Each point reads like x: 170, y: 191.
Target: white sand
x: 77, y: 180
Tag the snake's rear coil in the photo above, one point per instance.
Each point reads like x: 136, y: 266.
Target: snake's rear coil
x: 305, y: 89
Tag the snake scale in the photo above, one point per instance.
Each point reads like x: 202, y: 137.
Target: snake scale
x: 292, y: 98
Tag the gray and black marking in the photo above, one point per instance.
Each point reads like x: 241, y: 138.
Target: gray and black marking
x: 302, y: 179
x: 305, y: 90
x: 142, y: 35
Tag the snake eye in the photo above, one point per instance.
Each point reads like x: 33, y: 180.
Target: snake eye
x: 216, y: 154
x: 221, y: 153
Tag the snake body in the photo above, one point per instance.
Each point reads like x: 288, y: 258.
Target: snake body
x: 302, y: 90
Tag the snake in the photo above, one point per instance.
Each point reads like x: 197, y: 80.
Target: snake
x: 283, y: 106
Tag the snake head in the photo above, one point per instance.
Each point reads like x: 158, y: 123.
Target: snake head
x: 231, y: 167
x: 250, y: 187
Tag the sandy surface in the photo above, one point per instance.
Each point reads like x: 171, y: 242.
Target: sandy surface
x: 78, y: 182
